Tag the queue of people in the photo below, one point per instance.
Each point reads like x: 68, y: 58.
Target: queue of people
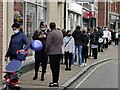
x: 62, y: 46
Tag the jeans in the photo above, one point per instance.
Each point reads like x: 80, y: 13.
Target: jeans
x: 79, y: 54
x: 74, y: 57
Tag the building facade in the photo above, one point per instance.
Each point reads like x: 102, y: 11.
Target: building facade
x: 114, y: 15
x: 109, y: 14
x: 89, y: 13
x: 56, y: 13
x: 73, y: 15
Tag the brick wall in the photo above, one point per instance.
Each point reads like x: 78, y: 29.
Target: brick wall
x: 101, y: 14
x: 1, y: 35
x: 115, y: 8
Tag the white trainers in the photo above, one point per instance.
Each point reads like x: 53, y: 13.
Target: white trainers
x: 81, y: 65
x: 85, y: 64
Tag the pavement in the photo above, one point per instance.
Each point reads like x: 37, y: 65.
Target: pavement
x: 66, y: 77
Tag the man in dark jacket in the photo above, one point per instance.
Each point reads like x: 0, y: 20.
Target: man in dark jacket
x: 40, y: 56
x: 78, y: 37
x: 18, y: 40
x: 54, y: 49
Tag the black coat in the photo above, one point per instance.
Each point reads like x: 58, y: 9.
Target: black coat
x: 43, y: 40
x: 18, y: 41
x: 42, y: 53
x: 78, y: 37
x: 94, y: 37
x: 85, y: 39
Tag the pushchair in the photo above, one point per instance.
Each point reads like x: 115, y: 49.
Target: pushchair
x: 12, y: 69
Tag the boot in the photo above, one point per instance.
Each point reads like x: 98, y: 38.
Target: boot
x: 36, y: 76
x: 42, y: 77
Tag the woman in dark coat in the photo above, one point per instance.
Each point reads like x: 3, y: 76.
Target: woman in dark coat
x: 18, y: 41
x: 94, y: 43
x: 41, y: 56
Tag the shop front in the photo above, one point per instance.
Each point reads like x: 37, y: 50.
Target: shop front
x: 114, y: 22
x: 29, y: 14
x: 93, y: 19
x: 86, y: 18
x: 74, y: 16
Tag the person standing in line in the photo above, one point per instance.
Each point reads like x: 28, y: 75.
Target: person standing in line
x: 18, y: 41
x: 109, y: 38
x: 69, y: 47
x: 119, y: 36
x: 78, y: 37
x: 89, y: 32
x: 94, y: 43
x: 100, y: 44
x: 106, y: 36
x: 54, y: 50
x: 62, y: 56
x: 116, y: 38
x: 85, y: 48
x: 41, y: 56
x: 113, y: 35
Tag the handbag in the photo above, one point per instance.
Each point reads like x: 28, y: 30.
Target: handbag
x: 100, y: 40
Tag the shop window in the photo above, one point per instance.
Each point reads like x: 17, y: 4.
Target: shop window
x: 31, y: 22
x: 42, y: 12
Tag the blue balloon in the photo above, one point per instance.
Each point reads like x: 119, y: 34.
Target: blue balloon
x: 36, y: 45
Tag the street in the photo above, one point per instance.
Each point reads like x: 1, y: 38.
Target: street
x: 104, y: 75
x: 100, y: 74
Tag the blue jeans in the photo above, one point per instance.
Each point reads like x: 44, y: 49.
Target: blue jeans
x: 80, y: 54
x: 73, y: 57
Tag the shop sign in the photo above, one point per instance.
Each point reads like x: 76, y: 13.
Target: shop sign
x: 75, y: 8
x: 86, y: 14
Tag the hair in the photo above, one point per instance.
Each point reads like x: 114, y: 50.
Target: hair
x: 41, y: 23
x: 84, y: 31
x: 95, y: 30
x: 78, y: 27
x: 52, y: 25
x: 68, y: 31
x: 16, y: 25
